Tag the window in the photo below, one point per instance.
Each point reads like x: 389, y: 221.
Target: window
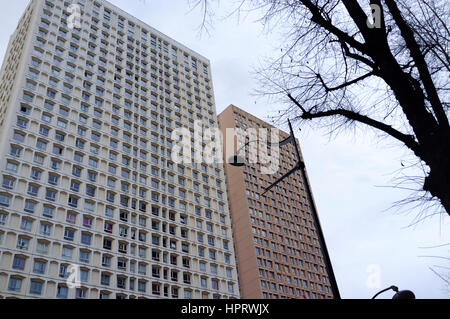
x: 28, y: 97
x: 50, y: 195
x: 90, y: 190
x: 87, y: 222
x: 106, y: 261
x: 76, y: 171
x: 15, y: 284
x: 35, y: 174
x: 121, y: 282
x: 105, y: 279
x: 39, y: 267
x: 57, y: 150
x: 122, y: 264
x: 80, y: 293
x: 43, y: 130
x: 12, y: 167
x: 47, y: 119
x: 59, y: 137
x: 26, y: 224
x: 38, y: 158
x: 62, y: 124
x: 74, y: 186
x: 15, y: 151
x: 89, y: 206
x: 23, y: 243
x: 212, y: 254
x: 53, y: 179
x: 142, y: 269
x: 48, y: 105
x: 141, y: 286
x: 107, y: 243
x: 73, y: 201
x: 93, y: 162
x: 69, y: 234
x: 108, y: 227
x: 61, y: 292
x: 213, y: 269
x: 86, y: 239
x: 42, y: 247
x: 84, y: 256
x: 25, y: 110
x: 5, y: 200
x: 35, y: 287
x: 186, y: 278
x: 2, y: 219
x: 19, y: 263
x: 92, y: 176
x: 45, y: 229
x: 78, y: 157
x: 215, y: 284
x: 123, y: 247
x: 109, y: 212
x: 84, y: 275
x: 67, y: 253
x: 155, y: 240
x: 8, y: 182
x: 71, y: 218
x: 79, y: 143
x: 22, y: 123
x: 48, y: 212
x: 55, y: 164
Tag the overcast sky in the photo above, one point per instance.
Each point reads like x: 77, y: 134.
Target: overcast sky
x: 347, y: 173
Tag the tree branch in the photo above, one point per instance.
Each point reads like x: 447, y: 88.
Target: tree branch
x: 327, y: 25
x: 421, y: 65
x: 343, y: 85
x: 408, y: 140
x: 358, y: 15
x: 375, y: 37
x: 357, y: 56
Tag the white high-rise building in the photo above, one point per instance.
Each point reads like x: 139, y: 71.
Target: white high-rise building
x: 88, y: 188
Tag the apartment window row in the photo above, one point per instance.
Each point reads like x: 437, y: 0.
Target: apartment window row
x: 84, y: 254
x: 85, y: 237
x: 131, y: 35
x: 95, y: 136
x: 46, y: 117
x: 58, y: 58
x: 67, y: 253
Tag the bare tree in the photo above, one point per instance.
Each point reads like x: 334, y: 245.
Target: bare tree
x: 441, y: 271
x: 383, y: 64
x: 444, y: 276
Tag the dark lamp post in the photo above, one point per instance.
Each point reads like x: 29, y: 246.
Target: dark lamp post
x: 236, y: 160
x: 402, y: 294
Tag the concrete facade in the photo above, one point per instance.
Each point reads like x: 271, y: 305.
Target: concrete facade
x: 87, y: 180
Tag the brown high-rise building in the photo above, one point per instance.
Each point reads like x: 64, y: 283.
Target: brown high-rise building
x: 279, y: 246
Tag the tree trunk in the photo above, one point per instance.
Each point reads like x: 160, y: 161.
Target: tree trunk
x: 438, y: 180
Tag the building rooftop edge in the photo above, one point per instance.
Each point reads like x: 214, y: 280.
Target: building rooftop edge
x: 232, y: 106
x: 153, y: 29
